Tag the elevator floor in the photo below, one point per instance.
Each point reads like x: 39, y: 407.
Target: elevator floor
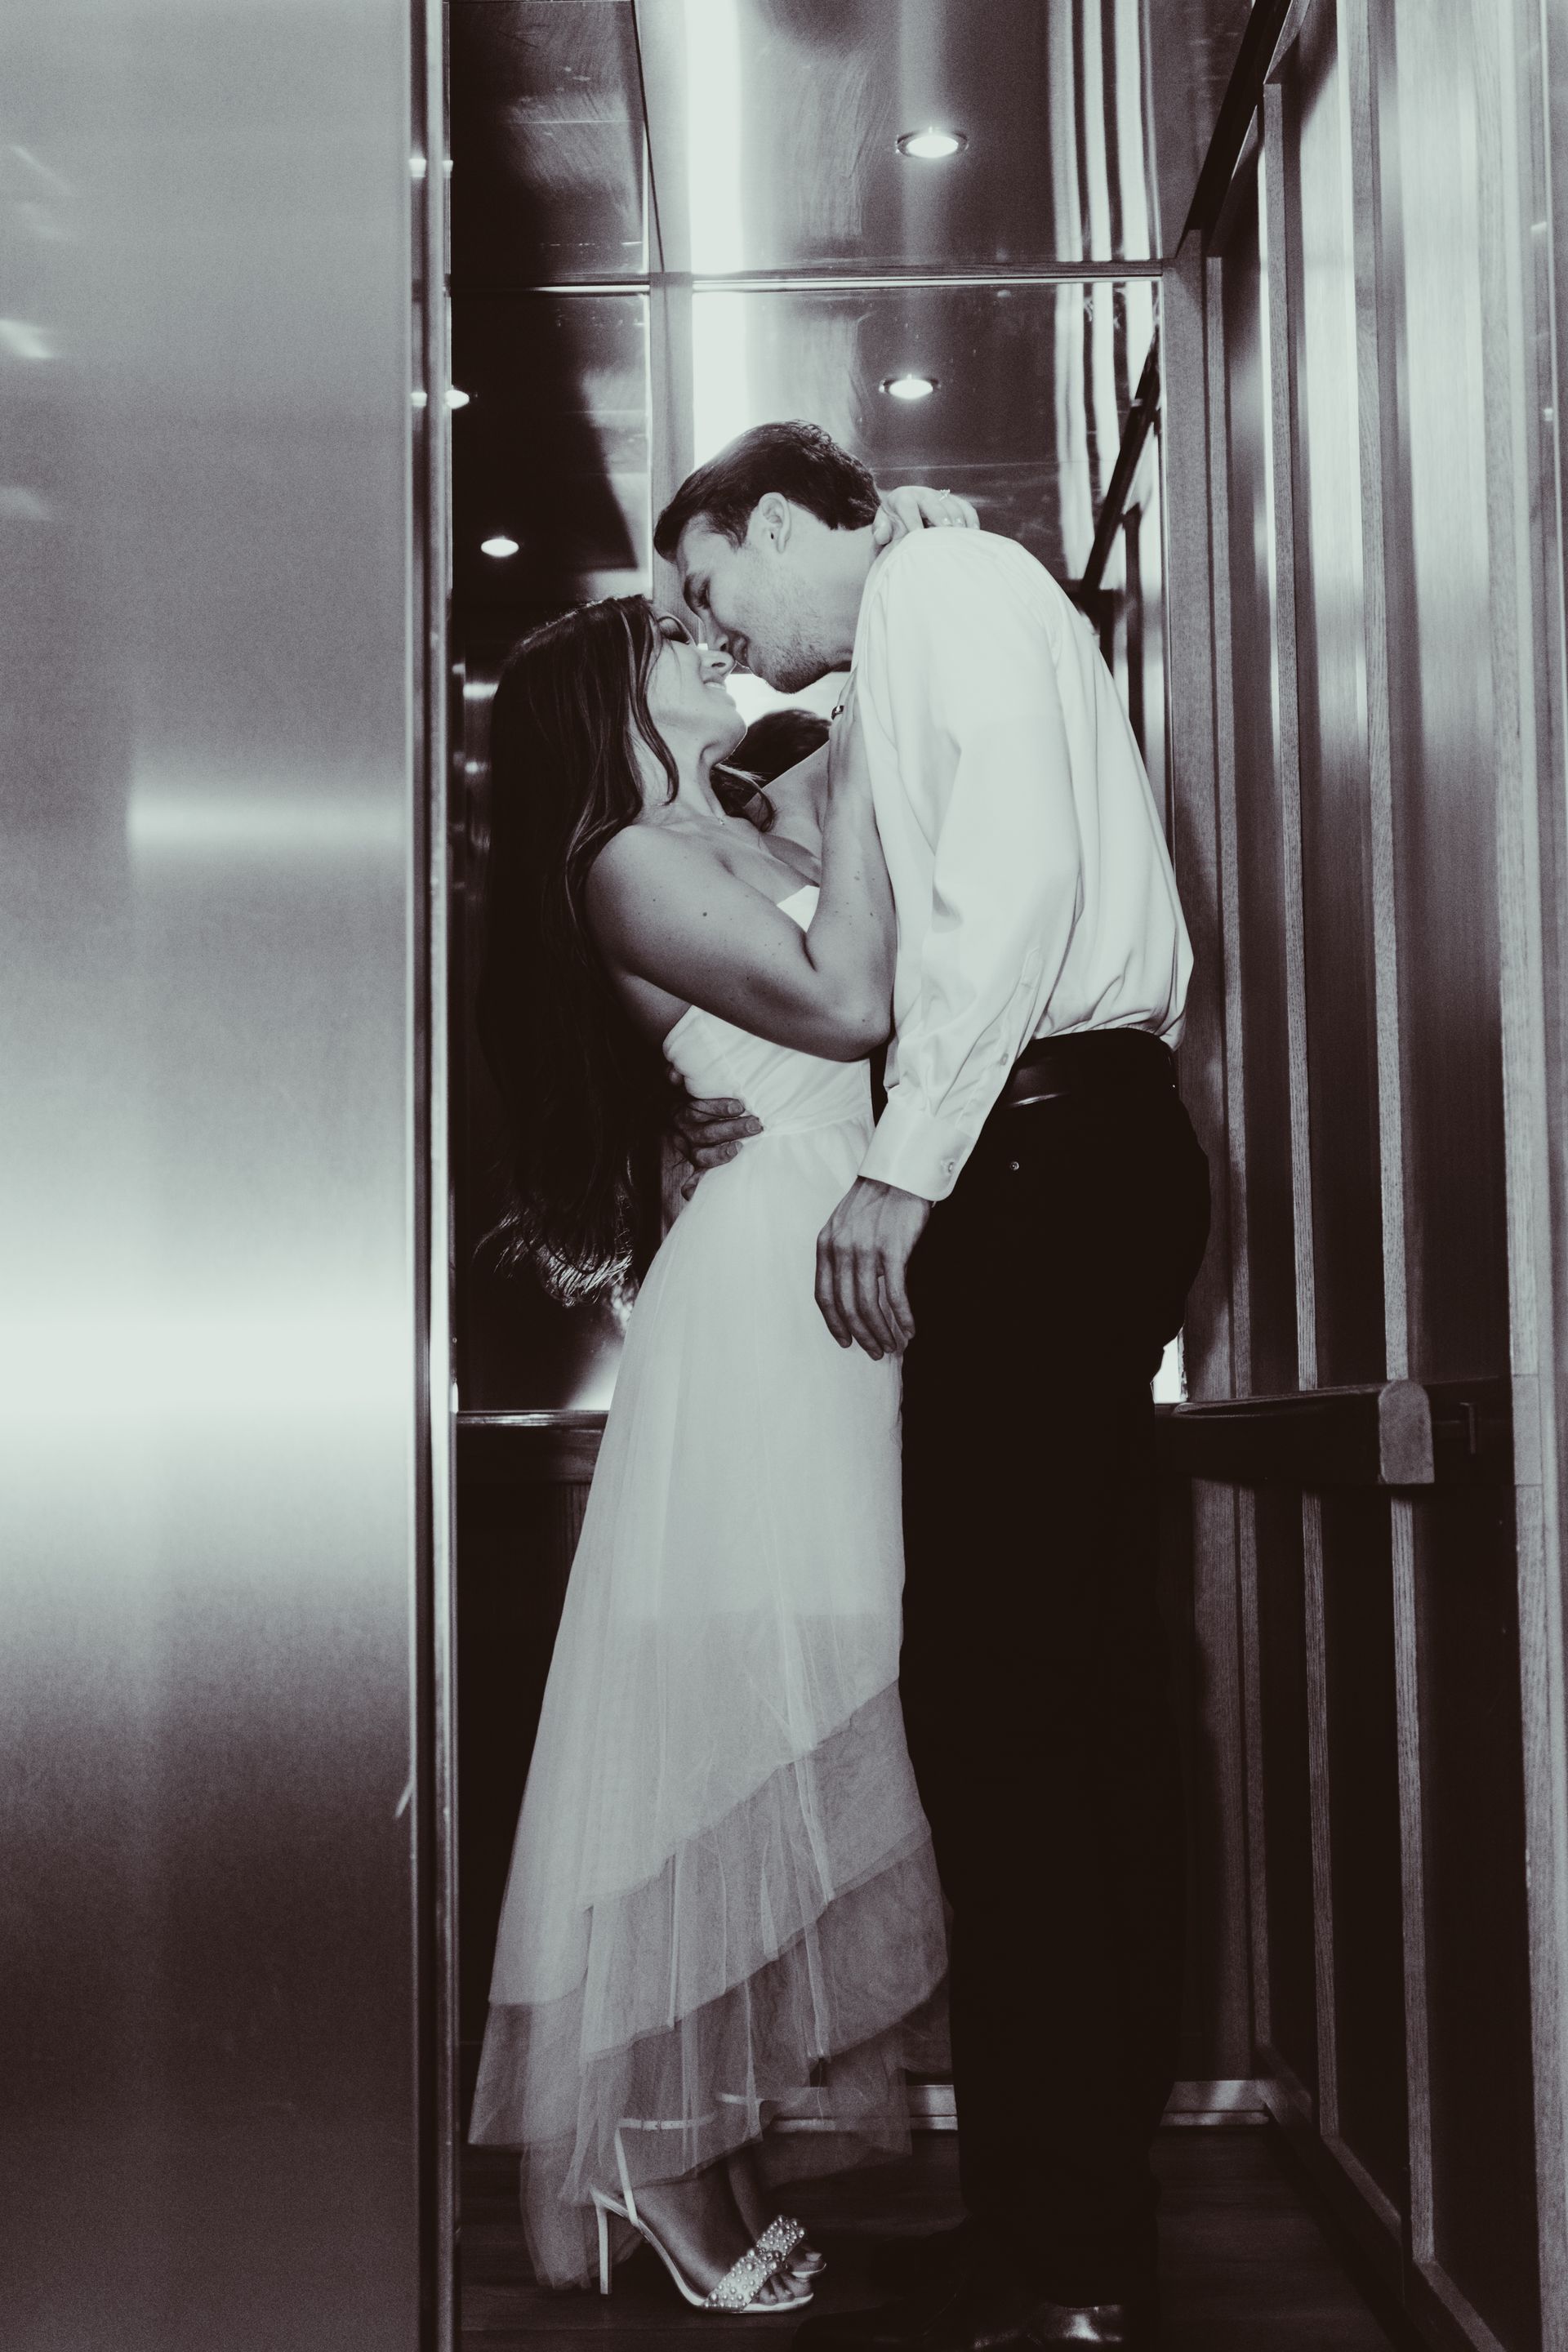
x: 1246, y: 2262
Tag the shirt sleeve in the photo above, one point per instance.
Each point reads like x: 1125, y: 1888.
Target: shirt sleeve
x: 963, y: 660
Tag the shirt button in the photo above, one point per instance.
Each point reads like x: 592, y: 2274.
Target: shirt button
x: 1014, y: 1165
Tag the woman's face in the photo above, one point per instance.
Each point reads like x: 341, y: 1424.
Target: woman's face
x: 688, y: 698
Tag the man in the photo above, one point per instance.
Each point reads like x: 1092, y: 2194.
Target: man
x: 1024, y: 1228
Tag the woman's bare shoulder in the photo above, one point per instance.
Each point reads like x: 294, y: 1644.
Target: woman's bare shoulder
x: 641, y: 855
x: 645, y: 869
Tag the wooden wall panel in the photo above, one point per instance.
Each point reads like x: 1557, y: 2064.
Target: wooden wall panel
x: 1287, y: 1800
x: 1407, y: 1791
x: 1361, y: 1745
x: 1478, y: 1969
x: 1336, y: 834
x: 1443, y: 731
x: 1259, y: 851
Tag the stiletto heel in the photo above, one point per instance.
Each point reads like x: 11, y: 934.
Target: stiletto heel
x: 738, y: 2291
x: 602, y: 2214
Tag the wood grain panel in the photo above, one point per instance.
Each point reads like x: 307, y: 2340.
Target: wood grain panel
x: 1337, y: 848
x: 1524, y: 244
x: 1361, y: 1751
x: 1287, y: 1801
x: 1261, y: 1144
x: 1477, y: 1941
x: 1207, y: 1331
x: 1279, y: 470
x: 1443, y: 764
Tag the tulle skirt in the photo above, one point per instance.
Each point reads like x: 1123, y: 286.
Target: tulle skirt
x: 722, y: 1898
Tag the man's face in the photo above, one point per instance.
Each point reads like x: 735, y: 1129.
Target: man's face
x: 756, y: 601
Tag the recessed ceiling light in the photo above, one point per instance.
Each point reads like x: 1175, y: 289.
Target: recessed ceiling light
x: 931, y: 145
x: 456, y: 399
x: 909, y: 387
x: 499, y: 547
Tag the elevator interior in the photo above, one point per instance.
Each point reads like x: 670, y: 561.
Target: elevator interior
x: 1249, y: 322
x: 1224, y: 363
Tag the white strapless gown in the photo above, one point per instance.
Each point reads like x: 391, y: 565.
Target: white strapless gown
x: 723, y: 1894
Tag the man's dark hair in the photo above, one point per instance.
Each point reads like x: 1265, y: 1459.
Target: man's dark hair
x: 801, y: 462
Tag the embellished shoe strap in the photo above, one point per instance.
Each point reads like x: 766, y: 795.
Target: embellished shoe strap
x: 744, y: 2280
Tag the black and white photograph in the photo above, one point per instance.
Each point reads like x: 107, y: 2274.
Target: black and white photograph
x: 783, y: 1481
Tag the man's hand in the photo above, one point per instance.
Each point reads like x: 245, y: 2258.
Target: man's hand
x: 710, y: 1129
x: 862, y: 1266
x: 918, y: 509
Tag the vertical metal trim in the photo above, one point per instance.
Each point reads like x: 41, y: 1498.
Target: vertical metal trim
x: 1279, y: 447
x: 435, y: 1810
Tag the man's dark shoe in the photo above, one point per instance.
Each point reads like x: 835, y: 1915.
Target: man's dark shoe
x: 974, y: 2318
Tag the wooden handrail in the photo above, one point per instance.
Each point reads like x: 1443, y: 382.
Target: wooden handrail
x: 1386, y: 1433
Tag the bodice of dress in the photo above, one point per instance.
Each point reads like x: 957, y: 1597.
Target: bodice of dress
x: 789, y: 1091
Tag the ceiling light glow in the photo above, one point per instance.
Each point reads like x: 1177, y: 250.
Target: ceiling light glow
x: 909, y: 387
x: 932, y: 144
x: 500, y: 546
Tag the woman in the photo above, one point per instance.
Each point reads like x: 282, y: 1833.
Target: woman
x: 722, y: 1893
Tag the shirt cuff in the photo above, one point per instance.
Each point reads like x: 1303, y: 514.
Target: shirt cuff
x: 918, y: 1154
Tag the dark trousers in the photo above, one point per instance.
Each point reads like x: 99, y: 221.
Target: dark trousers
x: 1035, y: 1668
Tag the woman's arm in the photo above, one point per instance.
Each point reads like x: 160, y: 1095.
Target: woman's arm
x: 666, y: 913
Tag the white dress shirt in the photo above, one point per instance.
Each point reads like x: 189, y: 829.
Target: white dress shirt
x: 1034, y: 889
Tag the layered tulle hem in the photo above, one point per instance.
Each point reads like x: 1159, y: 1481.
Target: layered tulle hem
x: 811, y: 1917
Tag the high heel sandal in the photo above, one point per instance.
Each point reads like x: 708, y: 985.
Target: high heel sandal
x: 738, y: 2291
x: 807, y: 2261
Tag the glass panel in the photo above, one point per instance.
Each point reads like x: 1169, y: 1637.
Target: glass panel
x: 553, y: 452
x: 1032, y: 382
x: 547, y: 142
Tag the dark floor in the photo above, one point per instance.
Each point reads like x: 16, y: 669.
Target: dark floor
x: 1247, y: 2267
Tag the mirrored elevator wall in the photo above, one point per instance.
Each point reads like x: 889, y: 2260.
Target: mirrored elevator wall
x: 670, y: 221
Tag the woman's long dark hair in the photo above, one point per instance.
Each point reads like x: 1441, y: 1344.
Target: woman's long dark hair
x: 584, y: 1091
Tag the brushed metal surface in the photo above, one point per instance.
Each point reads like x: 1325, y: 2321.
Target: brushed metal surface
x: 207, y: 1253
x: 773, y: 129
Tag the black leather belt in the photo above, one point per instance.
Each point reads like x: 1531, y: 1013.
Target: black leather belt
x: 1090, y: 1062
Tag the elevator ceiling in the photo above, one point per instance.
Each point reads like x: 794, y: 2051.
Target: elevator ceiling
x: 674, y: 219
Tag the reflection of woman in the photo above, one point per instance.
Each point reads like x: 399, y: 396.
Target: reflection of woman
x: 722, y: 1891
